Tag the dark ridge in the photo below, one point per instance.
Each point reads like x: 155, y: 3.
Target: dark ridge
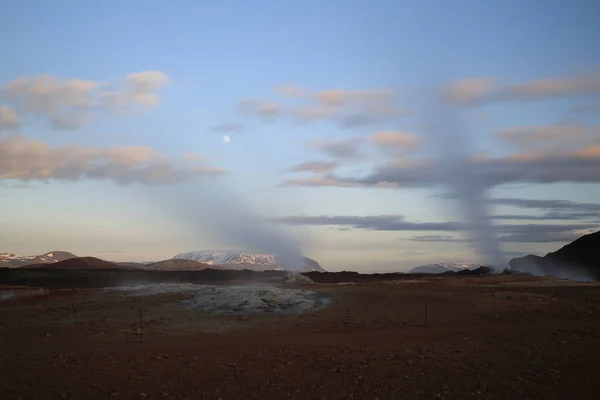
x: 581, y: 256
x: 77, y: 263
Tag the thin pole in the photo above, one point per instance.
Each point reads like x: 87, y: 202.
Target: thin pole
x: 141, y: 327
x: 426, y: 310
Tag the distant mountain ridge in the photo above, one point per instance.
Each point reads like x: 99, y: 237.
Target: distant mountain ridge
x: 77, y: 263
x: 191, y: 261
x: 11, y: 260
x: 236, y: 259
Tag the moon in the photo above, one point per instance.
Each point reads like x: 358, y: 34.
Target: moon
x: 226, y: 138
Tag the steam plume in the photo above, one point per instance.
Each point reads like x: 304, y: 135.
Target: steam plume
x: 452, y: 144
x: 214, y: 209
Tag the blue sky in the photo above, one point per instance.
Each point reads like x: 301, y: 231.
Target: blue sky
x: 338, y: 82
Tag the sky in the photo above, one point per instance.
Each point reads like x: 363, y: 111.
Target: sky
x: 109, y: 109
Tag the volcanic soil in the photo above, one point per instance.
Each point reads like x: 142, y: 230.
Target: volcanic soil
x: 497, y: 337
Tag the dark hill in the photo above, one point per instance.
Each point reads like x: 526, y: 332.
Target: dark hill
x: 577, y: 258
x: 78, y: 263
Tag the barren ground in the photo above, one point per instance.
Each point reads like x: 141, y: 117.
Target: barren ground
x: 485, y: 338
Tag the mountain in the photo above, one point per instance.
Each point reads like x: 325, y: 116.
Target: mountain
x: 441, y: 268
x: 180, y: 264
x: 77, y: 263
x: 16, y: 261
x: 234, y: 259
x: 579, y: 259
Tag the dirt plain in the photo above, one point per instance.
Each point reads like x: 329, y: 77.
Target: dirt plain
x: 502, y: 337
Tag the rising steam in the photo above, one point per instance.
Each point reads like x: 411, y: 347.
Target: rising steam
x: 214, y: 209
x: 451, y: 141
x: 452, y: 145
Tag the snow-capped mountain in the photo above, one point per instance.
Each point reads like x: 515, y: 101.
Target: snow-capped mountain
x: 440, y: 268
x: 235, y: 259
x: 15, y: 261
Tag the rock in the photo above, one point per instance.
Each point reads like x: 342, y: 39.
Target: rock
x: 298, y: 279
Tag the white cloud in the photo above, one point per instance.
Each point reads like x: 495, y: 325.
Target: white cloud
x: 33, y: 160
x: 69, y: 104
x: 8, y: 118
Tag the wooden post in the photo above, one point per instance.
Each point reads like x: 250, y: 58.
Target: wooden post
x: 141, y: 327
x: 426, y: 310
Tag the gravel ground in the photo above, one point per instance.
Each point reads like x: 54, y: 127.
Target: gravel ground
x: 438, y: 339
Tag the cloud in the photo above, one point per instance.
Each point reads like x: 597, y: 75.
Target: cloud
x: 292, y: 91
x: 69, y: 104
x: 468, y: 90
x: 376, y: 222
x: 314, y: 166
x: 551, y: 138
x: 578, y: 166
x: 16, y: 186
x: 8, y: 118
x: 339, y: 97
x: 396, y: 140
x: 532, y: 233
x: 139, y: 91
x: 260, y: 108
x: 349, y: 148
x: 584, y: 110
x: 227, y: 128
x: 346, y: 108
x: 555, y: 205
x: 318, y: 181
x: 483, y: 90
x: 554, y: 209
x: 436, y: 239
x: 547, y: 216
x: 32, y: 160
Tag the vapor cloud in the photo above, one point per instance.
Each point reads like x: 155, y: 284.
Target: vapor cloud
x: 549, y: 155
x: 396, y: 139
x: 344, y: 149
x: 314, y: 166
x: 8, y: 118
x: 371, y: 222
x: 69, y: 104
x: 33, y: 160
x: 551, y: 139
x: 318, y: 181
x: 436, y: 239
x: 346, y: 108
x: 484, y: 90
x: 514, y: 233
x: 554, y: 205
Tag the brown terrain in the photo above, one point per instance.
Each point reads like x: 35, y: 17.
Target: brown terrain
x: 488, y: 337
x: 182, y: 265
